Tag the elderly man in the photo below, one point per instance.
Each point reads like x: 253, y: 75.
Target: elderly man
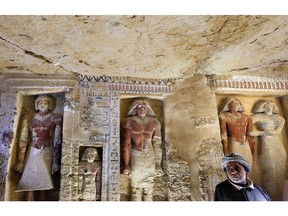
x: 238, y: 187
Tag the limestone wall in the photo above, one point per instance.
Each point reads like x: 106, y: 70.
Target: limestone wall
x: 93, y: 109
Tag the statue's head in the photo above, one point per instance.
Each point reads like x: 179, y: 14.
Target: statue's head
x: 44, y: 98
x: 227, y: 104
x: 90, y: 154
x: 141, y: 104
x: 265, y: 106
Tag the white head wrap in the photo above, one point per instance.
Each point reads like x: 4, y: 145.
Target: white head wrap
x: 135, y: 103
x: 233, y: 157
x: 228, y: 100
x: 47, y: 98
x: 90, y: 150
x: 260, y: 106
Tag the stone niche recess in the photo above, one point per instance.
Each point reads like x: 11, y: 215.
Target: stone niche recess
x: 26, y: 107
x: 270, y: 170
x: 93, y: 109
x: 19, y: 94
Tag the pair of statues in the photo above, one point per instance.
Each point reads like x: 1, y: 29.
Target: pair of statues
x: 239, y: 133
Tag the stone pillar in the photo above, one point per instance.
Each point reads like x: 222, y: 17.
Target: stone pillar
x: 192, y: 128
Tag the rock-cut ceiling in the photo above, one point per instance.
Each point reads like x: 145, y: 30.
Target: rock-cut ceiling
x: 152, y: 46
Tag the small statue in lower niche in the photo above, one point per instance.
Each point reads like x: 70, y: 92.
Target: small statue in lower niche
x: 91, y: 175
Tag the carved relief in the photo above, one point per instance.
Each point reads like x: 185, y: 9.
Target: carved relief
x: 203, y: 121
x: 206, y: 158
x: 97, y: 127
x: 255, y: 84
x: 128, y: 85
x: 178, y: 176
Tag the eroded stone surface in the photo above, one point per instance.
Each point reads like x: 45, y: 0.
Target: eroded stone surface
x: 145, y: 46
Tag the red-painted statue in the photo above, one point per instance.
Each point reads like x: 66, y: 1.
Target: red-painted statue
x: 235, y: 129
x: 142, y: 153
x: 44, y: 152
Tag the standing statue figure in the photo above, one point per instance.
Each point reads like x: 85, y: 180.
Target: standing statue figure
x: 92, y: 175
x: 43, y: 153
x: 235, y: 129
x: 142, y: 152
x: 272, y: 154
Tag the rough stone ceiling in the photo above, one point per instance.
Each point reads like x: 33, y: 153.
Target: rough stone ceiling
x: 152, y: 46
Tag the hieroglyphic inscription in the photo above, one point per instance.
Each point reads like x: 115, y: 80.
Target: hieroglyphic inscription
x: 99, y: 118
x: 203, y: 121
x: 114, y: 183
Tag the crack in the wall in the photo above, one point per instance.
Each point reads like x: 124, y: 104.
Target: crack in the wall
x: 270, y: 32
x: 41, y: 57
x: 37, y: 56
x: 278, y: 61
x: 27, y: 51
x: 239, y: 69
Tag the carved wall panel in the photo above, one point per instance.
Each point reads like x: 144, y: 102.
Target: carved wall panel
x: 95, y: 116
x: 93, y: 110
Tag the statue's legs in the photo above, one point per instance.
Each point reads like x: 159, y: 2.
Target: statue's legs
x: 136, y: 194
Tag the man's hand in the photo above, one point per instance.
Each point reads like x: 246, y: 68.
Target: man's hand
x: 55, y: 168
x: 127, y: 172
x: 159, y: 171
x: 19, y: 167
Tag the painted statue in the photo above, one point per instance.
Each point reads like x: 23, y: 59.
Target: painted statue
x: 235, y: 129
x: 91, y: 172
x: 142, y: 152
x: 272, y: 154
x: 40, y: 158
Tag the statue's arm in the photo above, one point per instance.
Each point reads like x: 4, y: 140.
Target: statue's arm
x: 22, y: 146
x: 127, y: 148
x: 157, y: 144
x: 223, y: 131
x: 57, y: 144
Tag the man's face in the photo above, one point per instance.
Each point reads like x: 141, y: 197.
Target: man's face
x: 268, y: 108
x: 233, y: 105
x: 236, y: 172
x: 43, y: 105
x: 91, y: 156
x: 141, y: 110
